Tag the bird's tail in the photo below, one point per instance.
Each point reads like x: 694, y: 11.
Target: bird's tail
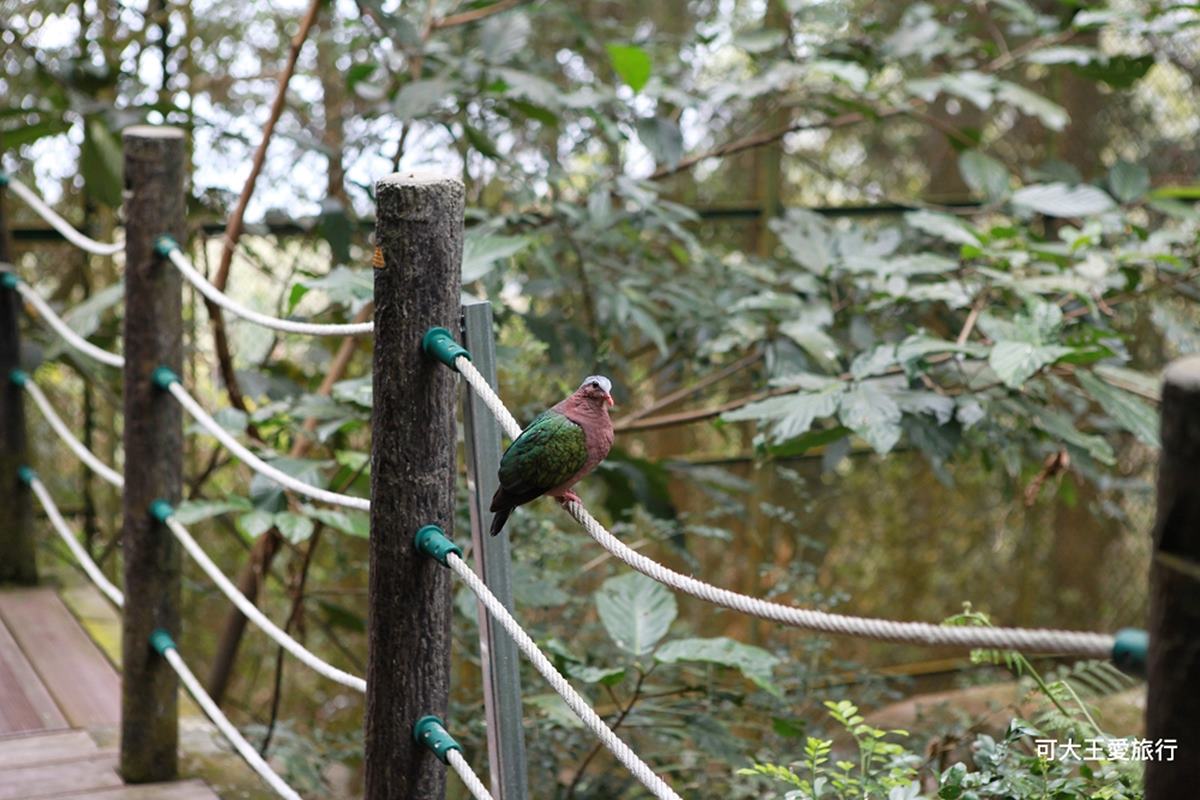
x: 499, y: 520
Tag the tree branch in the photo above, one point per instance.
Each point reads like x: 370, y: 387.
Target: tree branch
x: 475, y: 14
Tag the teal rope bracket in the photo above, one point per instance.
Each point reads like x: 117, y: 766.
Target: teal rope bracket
x: 161, y: 510
x: 3, y: 179
x: 163, y: 377
x: 433, y: 542
x: 431, y: 732
x: 161, y: 641
x: 439, y: 343
x: 1129, y: 650
x: 19, y: 377
x: 163, y: 245
x: 26, y: 474
x: 9, y: 280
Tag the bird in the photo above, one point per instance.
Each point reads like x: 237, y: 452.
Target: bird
x: 556, y: 450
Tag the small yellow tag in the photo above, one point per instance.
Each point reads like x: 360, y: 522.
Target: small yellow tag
x: 377, y: 259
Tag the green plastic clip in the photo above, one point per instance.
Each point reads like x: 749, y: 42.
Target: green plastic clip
x: 19, y: 377
x: 439, y: 343
x: 1129, y: 650
x: 433, y: 542
x: 161, y: 641
x: 163, y: 245
x: 160, y: 509
x: 9, y: 280
x: 431, y: 732
x: 163, y: 377
x: 26, y: 474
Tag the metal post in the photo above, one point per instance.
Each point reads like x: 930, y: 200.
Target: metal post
x: 17, y: 564
x: 498, y: 653
x: 1173, y: 665
x: 413, y: 458
x: 153, y: 338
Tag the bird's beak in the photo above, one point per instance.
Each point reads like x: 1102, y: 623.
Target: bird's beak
x: 611, y: 402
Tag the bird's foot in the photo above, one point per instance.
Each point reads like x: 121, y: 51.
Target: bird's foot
x: 568, y: 497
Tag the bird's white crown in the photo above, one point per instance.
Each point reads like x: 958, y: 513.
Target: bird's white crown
x: 604, y: 382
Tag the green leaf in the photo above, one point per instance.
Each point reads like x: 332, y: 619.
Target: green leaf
x: 1126, y: 409
x: 1119, y: 72
x: 985, y: 175
x: 873, y: 415
x: 85, y: 318
x: 102, y: 163
x: 296, y: 528
x: 605, y: 676
x: 191, y: 511
x: 335, y: 228
x: 419, y: 98
x: 790, y: 415
x: 753, y: 662
x: 1016, y: 362
x: 346, y: 286
x: 26, y: 134
x: 555, y: 709
x: 942, y: 226
x: 1062, y: 428
x: 662, y: 138
x: 1062, y: 200
x: 254, y: 524
x: 1127, y: 181
x: 1051, y: 114
x: 348, y: 521
x: 481, y: 252
x: 631, y: 63
x: 480, y: 141
x: 636, y: 611
x: 807, y: 237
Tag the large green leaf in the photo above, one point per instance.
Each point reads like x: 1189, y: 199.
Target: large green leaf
x: 481, y: 252
x: 1063, y: 200
x: 1127, y: 181
x: 102, y: 163
x: 662, y: 138
x: 986, y: 176
x: 636, y: 611
x: 873, y: 415
x: 792, y: 414
x: 753, y: 662
x: 1016, y: 362
x: 631, y: 63
x: 1127, y: 410
x: 942, y: 226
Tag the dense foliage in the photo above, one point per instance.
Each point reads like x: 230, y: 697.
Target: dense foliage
x: 956, y: 233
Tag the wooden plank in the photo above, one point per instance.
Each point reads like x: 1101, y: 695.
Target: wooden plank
x: 48, y: 780
x: 78, y: 676
x: 180, y: 790
x: 25, y: 704
x: 38, y: 749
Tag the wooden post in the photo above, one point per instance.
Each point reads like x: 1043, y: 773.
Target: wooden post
x: 1173, y: 664
x: 498, y: 653
x: 418, y: 228
x: 153, y: 337
x: 17, y: 564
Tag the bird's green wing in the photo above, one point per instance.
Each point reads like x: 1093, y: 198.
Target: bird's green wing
x: 545, y: 455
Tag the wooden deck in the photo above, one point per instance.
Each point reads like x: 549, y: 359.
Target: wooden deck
x: 59, y: 698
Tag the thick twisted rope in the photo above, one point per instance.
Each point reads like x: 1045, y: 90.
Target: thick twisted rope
x: 61, y: 225
x: 245, y: 750
x: 254, y: 462
x: 193, y: 276
x: 58, y: 426
x: 85, y: 561
x: 307, y: 657
x: 64, y: 330
x: 1029, y: 640
x: 468, y: 776
x: 575, y: 701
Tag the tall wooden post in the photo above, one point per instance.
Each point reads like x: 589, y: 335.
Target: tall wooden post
x: 17, y: 563
x: 418, y: 228
x: 1173, y: 664
x: 498, y: 654
x: 153, y: 328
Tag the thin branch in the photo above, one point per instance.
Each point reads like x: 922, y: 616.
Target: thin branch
x: 475, y: 14
x: 233, y: 230
x: 692, y: 388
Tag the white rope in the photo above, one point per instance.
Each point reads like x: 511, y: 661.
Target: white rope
x: 253, y: 614
x: 1035, y: 640
x: 85, y: 561
x: 657, y: 786
x: 490, y: 399
x: 214, y: 294
x: 474, y: 785
x: 64, y: 330
x: 61, y: 225
x: 226, y: 727
x: 86, y: 456
x: 254, y: 462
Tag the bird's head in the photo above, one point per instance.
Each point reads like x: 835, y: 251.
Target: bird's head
x: 596, y: 390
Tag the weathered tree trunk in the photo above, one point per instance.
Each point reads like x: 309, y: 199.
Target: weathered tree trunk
x: 17, y: 564
x: 413, y: 443
x: 153, y: 332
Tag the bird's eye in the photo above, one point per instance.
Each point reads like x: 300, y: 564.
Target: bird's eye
x: 595, y: 385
